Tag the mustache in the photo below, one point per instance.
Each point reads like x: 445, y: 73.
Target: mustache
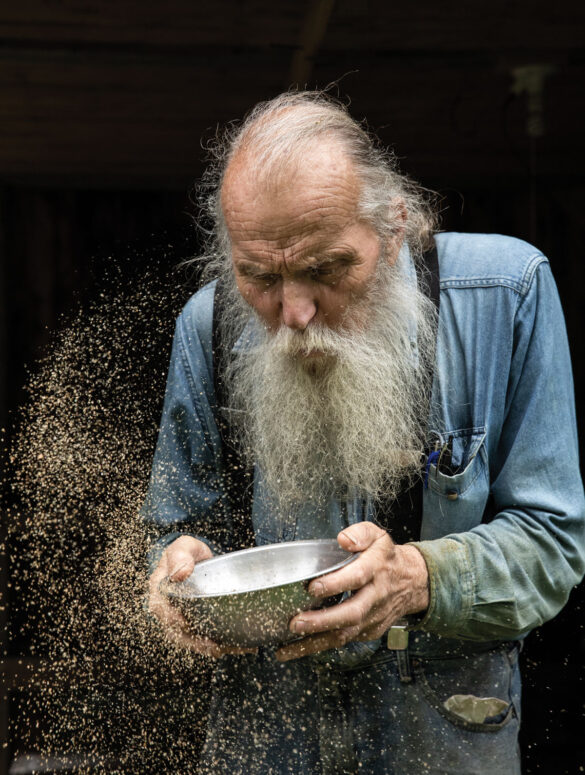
x: 317, y: 337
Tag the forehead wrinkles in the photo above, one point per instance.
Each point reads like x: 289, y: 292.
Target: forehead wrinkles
x: 313, y: 229
x: 290, y: 233
x: 318, y: 195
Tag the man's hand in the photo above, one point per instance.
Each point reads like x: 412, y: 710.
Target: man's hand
x: 177, y: 562
x: 387, y: 582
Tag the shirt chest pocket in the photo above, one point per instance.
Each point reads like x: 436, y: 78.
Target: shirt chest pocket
x: 455, y: 497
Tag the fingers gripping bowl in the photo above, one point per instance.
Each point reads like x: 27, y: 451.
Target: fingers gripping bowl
x: 248, y: 598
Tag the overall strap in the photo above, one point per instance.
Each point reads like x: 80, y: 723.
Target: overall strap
x: 237, y: 478
x: 402, y: 517
x: 429, y: 278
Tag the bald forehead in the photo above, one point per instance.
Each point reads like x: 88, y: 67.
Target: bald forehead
x: 318, y: 157
x: 319, y: 184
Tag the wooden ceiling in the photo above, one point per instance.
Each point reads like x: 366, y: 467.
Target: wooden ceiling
x: 122, y: 93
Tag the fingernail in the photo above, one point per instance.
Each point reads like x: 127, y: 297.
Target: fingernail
x: 349, y: 538
x: 298, y: 625
x: 174, y: 572
x: 316, y: 589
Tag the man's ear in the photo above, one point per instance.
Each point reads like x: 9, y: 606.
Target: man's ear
x: 397, y: 215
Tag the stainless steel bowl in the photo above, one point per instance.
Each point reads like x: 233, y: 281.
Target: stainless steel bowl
x: 247, y: 598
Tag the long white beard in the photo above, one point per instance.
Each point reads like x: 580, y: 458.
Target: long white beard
x: 352, y: 423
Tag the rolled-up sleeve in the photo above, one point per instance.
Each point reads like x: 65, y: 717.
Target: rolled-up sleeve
x: 185, y: 494
x: 504, y: 577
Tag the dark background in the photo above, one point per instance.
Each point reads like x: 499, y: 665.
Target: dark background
x: 103, y: 109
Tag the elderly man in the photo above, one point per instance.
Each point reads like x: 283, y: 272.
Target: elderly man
x: 432, y: 432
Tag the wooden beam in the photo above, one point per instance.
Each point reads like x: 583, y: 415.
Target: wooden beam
x: 312, y: 35
x: 497, y: 26
x: 355, y: 25
x: 119, y: 119
x: 150, y: 23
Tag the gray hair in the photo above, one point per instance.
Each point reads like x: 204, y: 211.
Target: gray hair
x: 278, y: 132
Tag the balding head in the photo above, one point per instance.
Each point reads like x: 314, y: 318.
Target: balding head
x: 250, y: 177
x: 288, y: 139
x: 274, y: 142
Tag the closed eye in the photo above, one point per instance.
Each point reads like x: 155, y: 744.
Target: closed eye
x: 328, y: 271
x: 262, y: 279
x: 266, y: 279
x: 256, y: 276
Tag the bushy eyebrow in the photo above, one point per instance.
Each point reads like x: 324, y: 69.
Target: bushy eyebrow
x: 342, y: 256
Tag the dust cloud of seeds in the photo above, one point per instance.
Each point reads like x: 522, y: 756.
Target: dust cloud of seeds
x: 113, y: 696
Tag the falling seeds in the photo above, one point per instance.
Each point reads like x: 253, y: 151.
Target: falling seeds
x: 111, y: 695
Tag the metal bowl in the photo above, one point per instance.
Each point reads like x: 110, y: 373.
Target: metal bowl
x: 247, y: 598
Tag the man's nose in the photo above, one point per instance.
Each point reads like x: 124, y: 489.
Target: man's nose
x: 298, y: 304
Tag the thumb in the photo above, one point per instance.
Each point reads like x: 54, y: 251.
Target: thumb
x: 181, y: 568
x: 182, y: 555
x: 358, y: 537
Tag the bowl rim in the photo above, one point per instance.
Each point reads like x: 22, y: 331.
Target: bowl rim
x: 176, y: 589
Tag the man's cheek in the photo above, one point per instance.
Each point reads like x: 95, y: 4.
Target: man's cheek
x: 266, y: 307
x: 250, y: 294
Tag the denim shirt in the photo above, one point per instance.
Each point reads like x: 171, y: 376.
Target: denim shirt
x: 502, y: 389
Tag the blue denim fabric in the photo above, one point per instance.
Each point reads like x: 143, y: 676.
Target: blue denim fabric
x: 503, y: 389
x: 379, y: 718
x: 372, y: 722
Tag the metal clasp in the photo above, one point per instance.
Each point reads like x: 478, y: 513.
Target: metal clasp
x: 397, y: 639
